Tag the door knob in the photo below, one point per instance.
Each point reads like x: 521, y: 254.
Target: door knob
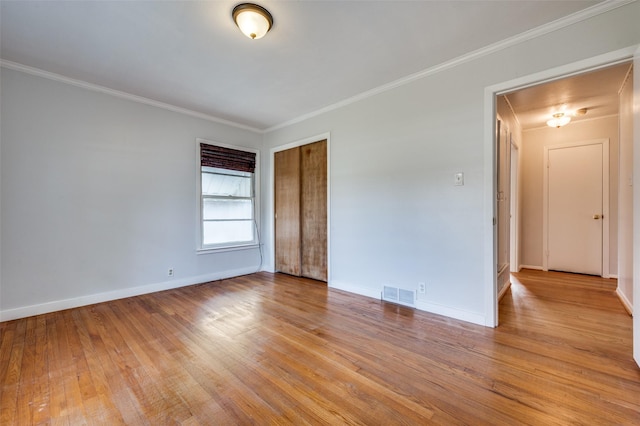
x: 597, y: 216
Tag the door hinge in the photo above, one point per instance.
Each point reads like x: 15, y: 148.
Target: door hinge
x: 495, y: 222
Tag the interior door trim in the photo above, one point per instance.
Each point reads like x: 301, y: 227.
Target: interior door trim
x: 605, y: 201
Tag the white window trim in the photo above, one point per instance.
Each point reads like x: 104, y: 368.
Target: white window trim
x: 220, y: 248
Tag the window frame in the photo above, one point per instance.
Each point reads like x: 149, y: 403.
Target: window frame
x: 201, y: 248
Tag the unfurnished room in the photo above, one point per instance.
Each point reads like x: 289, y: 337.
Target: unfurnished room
x: 319, y: 212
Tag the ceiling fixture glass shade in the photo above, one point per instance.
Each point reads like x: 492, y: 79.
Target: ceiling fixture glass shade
x: 559, y: 119
x: 253, y: 20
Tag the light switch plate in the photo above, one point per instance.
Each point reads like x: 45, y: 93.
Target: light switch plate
x: 458, y: 179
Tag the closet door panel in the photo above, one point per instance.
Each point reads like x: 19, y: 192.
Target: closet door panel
x: 313, y: 197
x: 287, y: 209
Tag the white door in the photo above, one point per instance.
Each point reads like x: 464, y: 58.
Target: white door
x: 514, y: 211
x: 575, y: 208
x: 636, y: 207
x: 504, y: 178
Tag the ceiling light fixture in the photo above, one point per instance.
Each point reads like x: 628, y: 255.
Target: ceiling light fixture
x: 559, y: 119
x: 253, y: 20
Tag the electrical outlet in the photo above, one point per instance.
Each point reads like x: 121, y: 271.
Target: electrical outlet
x: 170, y: 272
x: 422, y: 288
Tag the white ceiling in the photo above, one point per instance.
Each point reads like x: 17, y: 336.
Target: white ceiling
x: 190, y: 54
x: 596, y: 91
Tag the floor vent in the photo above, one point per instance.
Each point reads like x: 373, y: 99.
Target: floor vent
x: 399, y: 295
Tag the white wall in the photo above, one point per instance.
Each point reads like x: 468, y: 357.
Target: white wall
x: 387, y: 192
x: 534, y: 141
x: 115, y: 183
x: 396, y: 216
x: 625, y: 199
x: 98, y: 197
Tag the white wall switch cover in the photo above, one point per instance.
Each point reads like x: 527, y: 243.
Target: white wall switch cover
x: 458, y: 179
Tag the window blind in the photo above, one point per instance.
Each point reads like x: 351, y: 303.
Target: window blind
x: 227, y: 158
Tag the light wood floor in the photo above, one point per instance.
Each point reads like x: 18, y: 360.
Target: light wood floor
x: 273, y: 349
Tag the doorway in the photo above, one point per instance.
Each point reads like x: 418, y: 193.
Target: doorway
x: 629, y: 55
x: 559, y: 98
x: 301, y: 209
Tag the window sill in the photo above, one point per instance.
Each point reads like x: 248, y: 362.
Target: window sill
x: 211, y: 250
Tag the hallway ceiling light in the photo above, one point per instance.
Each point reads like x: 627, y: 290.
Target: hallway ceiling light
x: 559, y: 119
x: 253, y: 20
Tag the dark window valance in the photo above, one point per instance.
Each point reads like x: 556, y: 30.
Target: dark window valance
x: 227, y: 158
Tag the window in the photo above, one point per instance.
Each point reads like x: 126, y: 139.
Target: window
x: 227, y: 197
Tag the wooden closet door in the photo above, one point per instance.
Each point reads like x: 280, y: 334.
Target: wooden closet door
x: 287, y: 210
x: 313, y: 199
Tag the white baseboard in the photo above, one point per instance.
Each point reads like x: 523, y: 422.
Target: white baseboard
x: 58, y: 305
x: 422, y: 305
x: 450, y: 312
x: 90, y: 299
x: 613, y: 276
x: 505, y: 268
x: 625, y: 302
x: 504, y: 290
x: 362, y: 291
x: 534, y: 267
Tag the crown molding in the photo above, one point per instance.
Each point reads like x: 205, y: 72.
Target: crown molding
x: 119, y: 94
x: 574, y: 18
x: 552, y: 26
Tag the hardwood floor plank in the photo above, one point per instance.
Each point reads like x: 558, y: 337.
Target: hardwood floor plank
x: 98, y: 363
x: 32, y: 399
x: 370, y: 399
x: 9, y: 370
x: 40, y: 399
x: 74, y: 373
x: 240, y: 400
x: 275, y: 349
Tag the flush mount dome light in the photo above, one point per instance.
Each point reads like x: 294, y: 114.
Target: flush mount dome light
x: 559, y: 119
x: 253, y: 20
